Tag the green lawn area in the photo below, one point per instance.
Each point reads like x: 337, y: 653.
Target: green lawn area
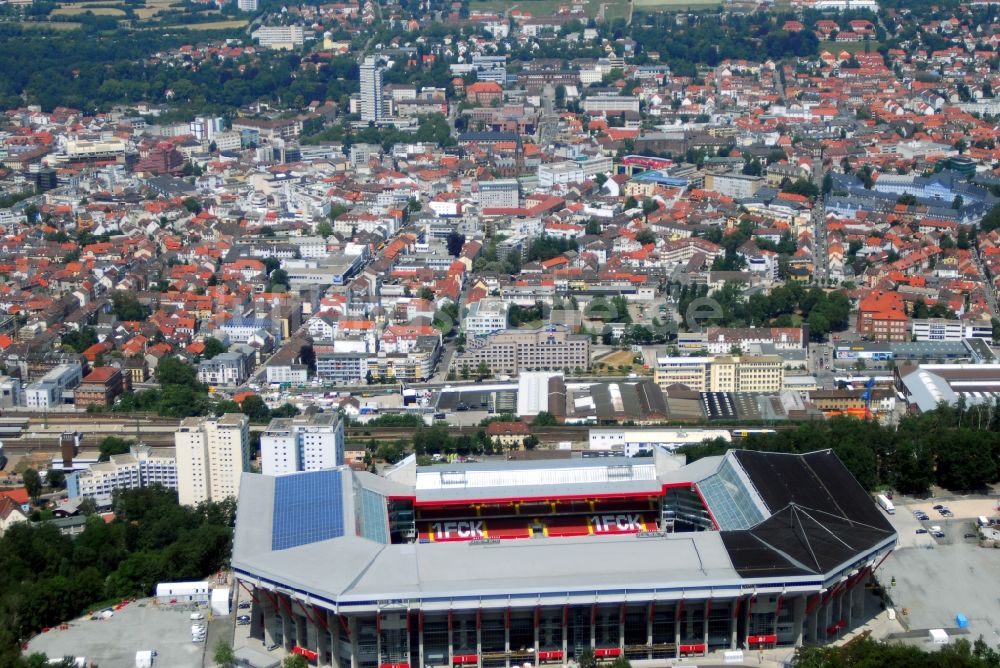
x: 212, y: 25
x: 83, y: 9
x: 676, y: 4
x: 536, y: 7
x: 615, y: 10
x: 849, y: 47
x: 49, y: 25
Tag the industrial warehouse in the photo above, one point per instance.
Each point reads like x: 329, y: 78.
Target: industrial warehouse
x: 508, y: 563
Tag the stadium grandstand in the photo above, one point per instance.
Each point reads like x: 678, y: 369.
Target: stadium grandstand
x: 506, y: 563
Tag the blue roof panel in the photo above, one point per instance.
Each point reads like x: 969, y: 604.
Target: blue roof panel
x: 307, y: 509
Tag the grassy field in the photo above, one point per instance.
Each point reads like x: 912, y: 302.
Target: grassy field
x: 90, y: 3
x: 615, y: 10
x: 46, y: 25
x: 535, y: 7
x: 676, y: 4
x: 613, y: 362
x: 96, y: 11
x: 154, y: 7
x: 213, y: 25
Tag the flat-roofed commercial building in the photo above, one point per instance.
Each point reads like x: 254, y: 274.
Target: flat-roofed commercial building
x: 942, y: 329
x: 724, y: 373
x: 927, y: 385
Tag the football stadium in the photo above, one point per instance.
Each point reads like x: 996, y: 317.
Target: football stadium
x: 531, y: 562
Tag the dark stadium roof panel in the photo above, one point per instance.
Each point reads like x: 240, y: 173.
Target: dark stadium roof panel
x: 817, y: 480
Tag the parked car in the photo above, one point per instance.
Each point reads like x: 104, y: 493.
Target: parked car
x: 244, y: 605
x: 921, y: 530
x: 970, y: 535
x: 243, y: 618
x: 937, y: 507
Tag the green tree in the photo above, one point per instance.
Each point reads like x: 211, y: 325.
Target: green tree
x: 285, y: 410
x: 531, y: 442
x: 213, y: 347
x: 586, y: 659
x: 113, y: 445
x: 991, y: 220
x: 192, y: 204
x: 223, y: 654
x: 255, y: 408
x: 224, y: 406
x: 483, y: 371
x: 56, y: 479
x: 32, y: 482
x: 173, y: 371
x: 126, y: 307
x: 278, y: 278
x: 455, y: 242
x: 80, y: 340
x: 295, y: 661
x: 324, y: 229
x: 544, y: 419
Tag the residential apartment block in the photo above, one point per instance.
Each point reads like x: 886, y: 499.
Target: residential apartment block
x: 734, y: 184
x: 212, y: 455
x: 304, y: 443
x: 143, y: 466
x: 228, y: 368
x: 514, y: 351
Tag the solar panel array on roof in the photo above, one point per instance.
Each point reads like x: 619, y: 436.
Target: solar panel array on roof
x: 308, y: 508
x: 718, y: 405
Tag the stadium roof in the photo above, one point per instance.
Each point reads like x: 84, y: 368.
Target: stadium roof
x: 787, y: 522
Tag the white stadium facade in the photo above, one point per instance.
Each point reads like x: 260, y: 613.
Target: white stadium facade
x: 510, y: 563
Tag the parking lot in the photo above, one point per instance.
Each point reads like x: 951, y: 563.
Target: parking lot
x: 940, y: 577
x: 113, y: 642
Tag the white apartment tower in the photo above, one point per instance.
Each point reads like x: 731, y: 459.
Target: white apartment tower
x: 304, y: 443
x: 212, y: 455
x: 371, y: 90
x: 247, y: 5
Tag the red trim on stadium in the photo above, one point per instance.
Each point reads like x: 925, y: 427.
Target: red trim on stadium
x: 307, y: 653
